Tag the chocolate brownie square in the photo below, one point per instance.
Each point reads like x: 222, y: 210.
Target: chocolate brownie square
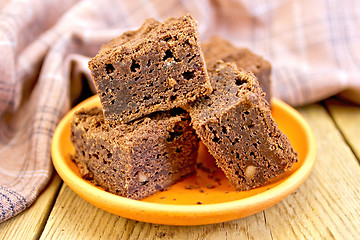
x: 236, y: 125
x: 155, y: 68
x: 137, y: 159
x: 217, y: 48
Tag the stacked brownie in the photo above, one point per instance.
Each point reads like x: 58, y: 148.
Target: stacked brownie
x: 217, y: 48
x: 140, y: 141
x: 156, y: 68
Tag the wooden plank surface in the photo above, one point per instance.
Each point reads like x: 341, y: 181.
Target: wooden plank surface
x: 324, y: 207
x: 30, y: 223
x: 347, y: 119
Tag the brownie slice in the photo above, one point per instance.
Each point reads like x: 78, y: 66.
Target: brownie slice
x: 217, y: 48
x: 236, y: 125
x: 156, y: 68
x: 137, y: 159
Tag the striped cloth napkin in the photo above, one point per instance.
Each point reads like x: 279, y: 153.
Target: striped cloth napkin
x: 313, y: 46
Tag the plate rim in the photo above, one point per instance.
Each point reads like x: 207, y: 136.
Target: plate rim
x: 268, y: 198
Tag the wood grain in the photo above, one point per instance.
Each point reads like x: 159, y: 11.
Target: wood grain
x: 324, y: 207
x: 347, y: 119
x: 30, y: 223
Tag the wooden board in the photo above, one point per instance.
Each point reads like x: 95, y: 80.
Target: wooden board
x: 347, y: 119
x: 30, y: 223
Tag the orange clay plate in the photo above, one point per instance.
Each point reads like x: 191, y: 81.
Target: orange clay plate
x: 204, y: 198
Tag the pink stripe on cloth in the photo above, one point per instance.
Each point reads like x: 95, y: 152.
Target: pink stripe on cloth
x: 45, y: 46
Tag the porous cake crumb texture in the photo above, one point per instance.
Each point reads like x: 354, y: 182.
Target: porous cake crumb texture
x: 218, y: 48
x: 155, y: 68
x: 134, y: 160
x: 236, y: 125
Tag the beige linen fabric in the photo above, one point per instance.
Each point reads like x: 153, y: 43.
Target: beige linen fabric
x: 45, y: 46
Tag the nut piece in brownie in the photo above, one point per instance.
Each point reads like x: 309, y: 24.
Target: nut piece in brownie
x: 217, y: 48
x: 236, y: 125
x: 156, y: 68
x: 137, y: 159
